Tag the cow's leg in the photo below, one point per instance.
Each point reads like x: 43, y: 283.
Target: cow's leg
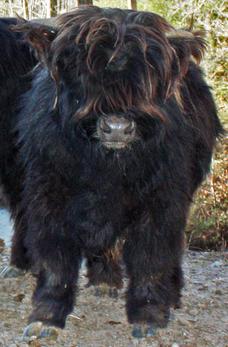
x: 104, y: 271
x: 19, y: 257
x: 178, y: 283
x: 152, y: 254
x: 56, y: 261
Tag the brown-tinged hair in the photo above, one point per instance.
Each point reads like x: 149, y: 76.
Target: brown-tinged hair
x: 124, y: 59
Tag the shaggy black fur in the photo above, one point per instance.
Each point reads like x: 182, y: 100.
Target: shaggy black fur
x: 16, y: 60
x: 78, y: 197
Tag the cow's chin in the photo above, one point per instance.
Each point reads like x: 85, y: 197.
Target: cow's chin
x: 114, y: 144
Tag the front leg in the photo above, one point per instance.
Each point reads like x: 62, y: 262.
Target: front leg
x: 56, y: 262
x: 53, y: 248
x: 152, y: 254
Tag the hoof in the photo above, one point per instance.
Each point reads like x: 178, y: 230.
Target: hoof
x: 101, y: 290
x: 140, y: 331
x: 113, y: 293
x: 177, y: 305
x: 11, y: 272
x: 137, y: 331
x: 171, y: 317
x: 105, y: 290
x: 150, y: 331
x: 39, y: 330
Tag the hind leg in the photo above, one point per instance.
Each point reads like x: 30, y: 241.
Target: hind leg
x: 19, y: 257
x: 11, y: 178
x: 178, y: 284
x: 104, y: 271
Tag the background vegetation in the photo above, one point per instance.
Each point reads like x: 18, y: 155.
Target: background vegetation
x: 208, y: 224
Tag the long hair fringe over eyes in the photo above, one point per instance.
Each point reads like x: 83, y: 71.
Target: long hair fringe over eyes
x: 124, y: 59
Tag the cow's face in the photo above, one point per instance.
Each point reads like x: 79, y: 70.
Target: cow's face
x: 115, y: 67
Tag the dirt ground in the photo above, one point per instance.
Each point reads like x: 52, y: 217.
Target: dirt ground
x: 101, y: 321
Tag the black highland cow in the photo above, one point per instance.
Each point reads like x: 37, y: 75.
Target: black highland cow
x: 112, y: 140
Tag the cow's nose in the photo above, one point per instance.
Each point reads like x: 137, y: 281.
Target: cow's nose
x: 116, y: 130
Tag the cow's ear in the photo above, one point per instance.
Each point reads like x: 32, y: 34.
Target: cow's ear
x: 189, y: 46
x: 39, y: 36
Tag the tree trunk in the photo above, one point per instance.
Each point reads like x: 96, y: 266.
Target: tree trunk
x: 26, y: 9
x: 51, y: 8
x: 132, y: 4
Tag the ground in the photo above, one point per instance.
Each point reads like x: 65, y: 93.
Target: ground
x: 101, y: 321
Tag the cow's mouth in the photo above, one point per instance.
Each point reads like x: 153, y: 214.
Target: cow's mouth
x: 114, y: 144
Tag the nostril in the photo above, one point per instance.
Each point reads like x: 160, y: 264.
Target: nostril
x: 105, y: 127
x: 130, y: 128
